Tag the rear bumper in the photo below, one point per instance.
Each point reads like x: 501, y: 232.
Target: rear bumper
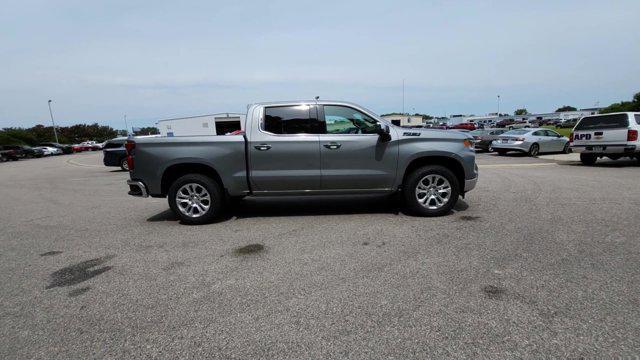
x: 605, y: 149
x: 137, y: 188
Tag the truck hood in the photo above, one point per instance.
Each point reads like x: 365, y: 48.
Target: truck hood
x: 432, y: 133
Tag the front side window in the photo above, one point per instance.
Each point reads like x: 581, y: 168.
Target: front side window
x: 345, y: 120
x: 552, y: 133
x: 296, y: 119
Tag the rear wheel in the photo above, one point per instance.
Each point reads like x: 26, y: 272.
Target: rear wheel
x: 534, y: 150
x: 588, y: 159
x: 431, y: 190
x: 124, y: 165
x: 196, y: 199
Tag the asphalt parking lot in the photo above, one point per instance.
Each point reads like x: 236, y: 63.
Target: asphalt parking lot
x: 541, y: 260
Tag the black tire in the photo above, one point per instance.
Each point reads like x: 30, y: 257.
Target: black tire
x: 501, y: 152
x: 216, y: 205
x: 566, y: 149
x: 411, y: 183
x: 588, y: 159
x: 124, y: 165
x: 534, y: 150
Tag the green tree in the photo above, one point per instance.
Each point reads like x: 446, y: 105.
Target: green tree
x: 520, y: 112
x: 633, y: 105
x: 566, y: 108
x: 151, y: 130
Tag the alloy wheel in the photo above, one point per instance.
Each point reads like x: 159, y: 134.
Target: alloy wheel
x: 433, y: 191
x: 193, y: 200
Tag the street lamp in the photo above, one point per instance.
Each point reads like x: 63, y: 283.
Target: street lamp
x: 498, y: 105
x: 55, y: 134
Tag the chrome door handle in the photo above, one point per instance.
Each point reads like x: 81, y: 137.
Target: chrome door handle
x: 263, y: 147
x: 332, y: 146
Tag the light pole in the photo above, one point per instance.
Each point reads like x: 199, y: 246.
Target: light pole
x: 126, y: 127
x: 402, y: 96
x: 55, y: 134
x: 498, y: 105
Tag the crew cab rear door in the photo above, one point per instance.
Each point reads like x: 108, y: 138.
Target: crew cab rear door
x: 283, y: 149
x: 352, y: 155
x: 601, y: 130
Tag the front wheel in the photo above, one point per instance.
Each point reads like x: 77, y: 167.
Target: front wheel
x: 196, y: 199
x: 566, y: 149
x: 124, y: 165
x: 431, y: 190
x: 588, y: 159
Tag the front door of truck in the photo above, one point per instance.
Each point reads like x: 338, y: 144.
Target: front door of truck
x: 352, y: 155
x: 284, y: 153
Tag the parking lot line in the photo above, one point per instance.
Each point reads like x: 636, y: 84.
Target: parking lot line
x: 71, y: 162
x: 498, y: 166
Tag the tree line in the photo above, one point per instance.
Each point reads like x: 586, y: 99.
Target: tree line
x: 66, y: 134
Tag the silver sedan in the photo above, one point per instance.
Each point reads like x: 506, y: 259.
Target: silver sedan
x: 531, y: 141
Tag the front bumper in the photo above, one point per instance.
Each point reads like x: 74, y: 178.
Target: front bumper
x: 470, y: 184
x: 137, y: 188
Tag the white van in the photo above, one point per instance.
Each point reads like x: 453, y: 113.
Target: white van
x: 608, y: 135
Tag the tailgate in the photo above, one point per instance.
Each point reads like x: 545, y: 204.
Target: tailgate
x: 600, y: 137
x: 601, y: 130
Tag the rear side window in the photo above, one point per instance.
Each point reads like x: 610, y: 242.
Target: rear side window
x: 298, y: 119
x: 113, y: 145
x: 603, y: 122
x: 637, y: 119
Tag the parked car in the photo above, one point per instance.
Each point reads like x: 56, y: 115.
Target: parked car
x: 345, y: 149
x: 566, y: 124
x: 504, y: 123
x: 8, y: 155
x: 47, y: 150
x: 531, y: 141
x: 609, y: 135
x: 466, y: 126
x: 484, y: 137
x: 23, y: 151
x: 114, y: 153
x: 91, y: 145
x: 12, y: 152
x: 65, y: 149
x: 520, y: 124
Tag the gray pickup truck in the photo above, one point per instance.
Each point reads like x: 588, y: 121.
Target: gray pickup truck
x: 304, y: 148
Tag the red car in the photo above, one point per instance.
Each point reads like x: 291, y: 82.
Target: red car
x: 465, y: 126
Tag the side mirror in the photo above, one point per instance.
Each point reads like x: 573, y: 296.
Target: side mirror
x: 383, y: 131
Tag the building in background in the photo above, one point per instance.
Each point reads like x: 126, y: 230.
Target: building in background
x: 214, y: 124
x: 404, y: 120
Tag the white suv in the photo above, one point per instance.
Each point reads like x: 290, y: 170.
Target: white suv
x: 612, y: 135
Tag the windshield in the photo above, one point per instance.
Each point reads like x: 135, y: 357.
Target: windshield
x: 516, y: 132
x: 603, y: 122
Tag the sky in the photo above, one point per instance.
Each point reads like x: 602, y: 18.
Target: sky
x: 100, y: 60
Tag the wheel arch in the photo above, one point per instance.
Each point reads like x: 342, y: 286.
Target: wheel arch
x: 448, y: 162
x: 173, y: 172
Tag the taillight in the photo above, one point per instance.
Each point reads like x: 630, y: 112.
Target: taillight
x: 130, y: 146
x: 519, y: 139
x: 632, y: 135
x: 571, y: 137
